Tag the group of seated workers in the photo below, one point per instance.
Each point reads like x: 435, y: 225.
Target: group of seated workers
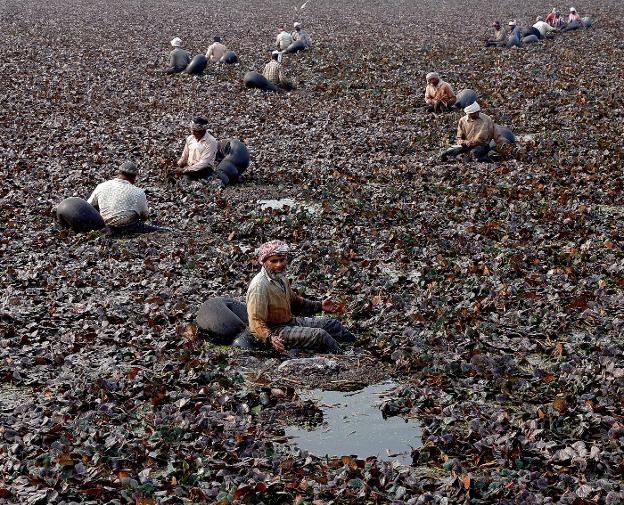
x: 280, y: 318
x: 123, y: 206
x: 542, y: 28
x: 179, y: 58
x: 285, y: 39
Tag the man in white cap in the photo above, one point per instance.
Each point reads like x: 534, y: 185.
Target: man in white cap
x: 515, y: 35
x: 122, y: 205
x: 273, y: 73
x: 277, y: 313
x: 283, y: 40
x: 178, y: 58
x: 200, y: 152
x: 474, y: 133
x: 439, y: 95
x: 301, y: 34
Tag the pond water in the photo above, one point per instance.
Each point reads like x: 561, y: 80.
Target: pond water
x: 354, y: 425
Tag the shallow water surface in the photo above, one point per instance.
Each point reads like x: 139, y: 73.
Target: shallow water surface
x: 353, y: 425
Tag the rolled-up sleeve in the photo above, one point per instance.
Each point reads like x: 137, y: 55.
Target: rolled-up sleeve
x: 185, y: 154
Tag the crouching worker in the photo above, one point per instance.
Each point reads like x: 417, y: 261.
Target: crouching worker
x: 439, y: 95
x: 273, y: 72
x: 200, y: 152
x: 277, y: 314
x: 122, y: 205
x: 474, y: 133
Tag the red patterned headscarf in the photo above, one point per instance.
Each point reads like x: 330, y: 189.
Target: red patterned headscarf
x: 272, y: 248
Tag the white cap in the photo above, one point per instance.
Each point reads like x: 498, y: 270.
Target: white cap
x: 177, y: 42
x: 572, y: 9
x: 512, y: 23
x: 297, y: 23
x: 473, y: 107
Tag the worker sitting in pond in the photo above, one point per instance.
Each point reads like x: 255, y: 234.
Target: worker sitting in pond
x: 277, y: 314
x: 300, y: 34
x: 439, y: 95
x: 216, y: 51
x: 500, y: 36
x: 200, y: 152
x: 178, y: 58
x: 273, y: 73
x: 122, y: 205
x: 474, y: 133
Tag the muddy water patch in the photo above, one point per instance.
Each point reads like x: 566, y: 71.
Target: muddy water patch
x: 353, y: 425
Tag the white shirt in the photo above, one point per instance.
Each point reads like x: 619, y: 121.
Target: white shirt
x: 284, y: 39
x: 199, y: 154
x: 120, y: 202
x: 215, y: 52
x: 543, y: 28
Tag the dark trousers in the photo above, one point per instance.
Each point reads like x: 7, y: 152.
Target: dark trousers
x: 172, y: 70
x: 315, y: 333
x: 134, y: 228
x: 479, y: 152
x: 438, y: 107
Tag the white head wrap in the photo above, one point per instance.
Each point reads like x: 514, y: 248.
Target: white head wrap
x: 572, y: 9
x: 297, y: 23
x: 473, y: 107
x: 431, y: 75
x: 275, y: 53
x: 176, y: 42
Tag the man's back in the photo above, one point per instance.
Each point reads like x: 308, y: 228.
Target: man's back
x: 179, y: 58
x: 273, y: 71
x: 215, y: 52
x: 284, y: 39
x: 119, y: 202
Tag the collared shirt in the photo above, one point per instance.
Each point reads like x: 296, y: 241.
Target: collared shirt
x: 543, y: 27
x: 199, y: 154
x: 120, y: 202
x: 215, y: 52
x: 179, y: 58
x: 283, y: 40
x: 475, y: 131
x: 440, y: 93
x: 303, y: 36
x: 273, y: 72
x: 272, y: 303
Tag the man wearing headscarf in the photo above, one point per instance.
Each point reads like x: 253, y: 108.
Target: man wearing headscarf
x: 200, y: 152
x: 500, y: 36
x: 215, y: 52
x: 122, y: 205
x: 178, y: 58
x: 301, y: 34
x: 283, y: 40
x: 277, y: 315
x: 574, y: 16
x: 439, y: 95
x: 474, y: 133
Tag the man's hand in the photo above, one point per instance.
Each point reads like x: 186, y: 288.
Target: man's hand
x: 332, y: 306
x: 277, y: 343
